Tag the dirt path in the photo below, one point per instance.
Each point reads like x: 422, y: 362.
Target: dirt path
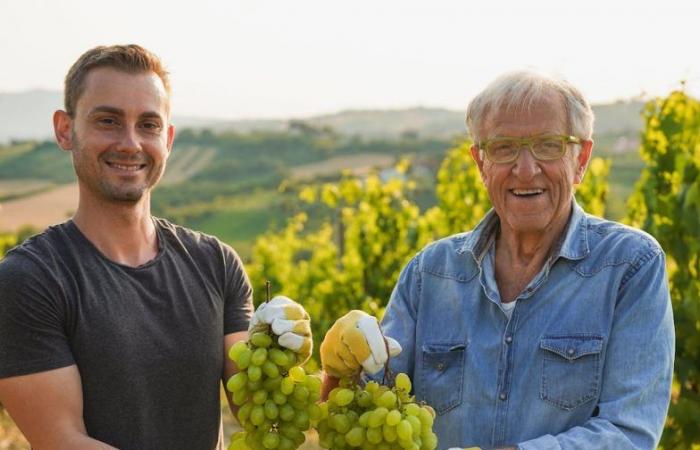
x: 40, y: 210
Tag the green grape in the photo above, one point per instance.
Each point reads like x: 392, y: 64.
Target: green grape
x: 341, y: 423
x: 374, y: 435
x: 286, y: 443
x: 426, y: 419
x: 297, y: 374
x: 271, y: 440
x: 243, y: 360
x: 244, y: 413
x: 301, y: 420
x: 254, y: 385
x: 287, y: 413
x: 259, y: 397
x: 279, y: 398
x: 412, y: 409
x: 430, y: 441
x: 287, y: 385
x: 387, y: 400
x: 415, y: 424
x: 236, y: 349
x: 364, y: 419
x: 393, y: 418
x: 300, y: 393
x: 403, y: 382
x: 315, y: 412
x: 364, y: 399
x: 343, y: 397
x: 239, y: 397
x: 339, y: 442
x: 270, y: 369
x: 291, y: 358
x: 299, y: 405
x: 271, y: 384
x: 404, y: 430
x: 378, y: 416
x: 237, y: 382
x: 271, y: 410
x: 257, y: 415
x: 259, y: 357
x: 389, y: 432
x: 254, y: 373
x: 261, y: 340
x: 355, y: 437
x: 278, y: 357
x: 238, y: 444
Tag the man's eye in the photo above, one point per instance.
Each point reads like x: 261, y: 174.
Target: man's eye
x: 108, y: 121
x: 151, y: 126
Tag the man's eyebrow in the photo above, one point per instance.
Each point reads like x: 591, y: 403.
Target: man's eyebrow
x: 106, y: 109
x: 120, y: 112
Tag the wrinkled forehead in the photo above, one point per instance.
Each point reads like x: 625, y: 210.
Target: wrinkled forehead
x: 544, y: 113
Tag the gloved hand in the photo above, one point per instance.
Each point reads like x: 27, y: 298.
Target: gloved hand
x: 354, y: 342
x: 288, y: 320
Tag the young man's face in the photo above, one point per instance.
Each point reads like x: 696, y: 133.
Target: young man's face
x: 120, y: 136
x: 532, y: 196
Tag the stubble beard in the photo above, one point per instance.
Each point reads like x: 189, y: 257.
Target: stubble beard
x: 124, y: 192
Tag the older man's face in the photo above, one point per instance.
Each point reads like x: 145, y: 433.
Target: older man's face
x: 532, y: 196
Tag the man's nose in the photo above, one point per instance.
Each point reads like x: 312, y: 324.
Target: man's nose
x: 526, y: 166
x: 130, y: 140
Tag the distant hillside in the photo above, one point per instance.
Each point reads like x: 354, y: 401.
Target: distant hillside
x: 27, y: 115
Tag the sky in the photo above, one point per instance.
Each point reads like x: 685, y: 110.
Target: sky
x: 238, y: 59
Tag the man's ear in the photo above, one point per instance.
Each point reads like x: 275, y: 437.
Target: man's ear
x: 478, y: 157
x: 171, y: 137
x: 582, y: 160
x: 63, y: 129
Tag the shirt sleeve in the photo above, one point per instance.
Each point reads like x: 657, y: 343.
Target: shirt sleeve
x: 238, y: 301
x: 32, y: 320
x: 638, y: 371
x: 399, y: 320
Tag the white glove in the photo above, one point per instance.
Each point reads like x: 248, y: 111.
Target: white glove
x: 355, y: 340
x: 288, y: 320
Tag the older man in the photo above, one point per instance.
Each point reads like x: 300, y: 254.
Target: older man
x: 114, y: 325
x: 544, y: 327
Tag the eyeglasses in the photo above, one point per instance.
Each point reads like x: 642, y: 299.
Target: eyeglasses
x: 544, y: 148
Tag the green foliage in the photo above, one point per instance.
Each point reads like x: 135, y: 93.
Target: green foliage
x: 666, y: 203
x: 7, y: 241
x: 592, y: 194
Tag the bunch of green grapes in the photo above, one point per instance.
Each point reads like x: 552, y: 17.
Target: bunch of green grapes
x: 376, y: 417
x: 277, y: 399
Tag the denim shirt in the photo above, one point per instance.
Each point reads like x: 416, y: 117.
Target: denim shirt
x: 584, y: 362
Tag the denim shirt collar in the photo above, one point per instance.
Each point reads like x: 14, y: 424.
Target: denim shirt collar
x: 573, y: 245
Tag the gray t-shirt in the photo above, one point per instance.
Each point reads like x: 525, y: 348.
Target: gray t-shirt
x: 148, y: 341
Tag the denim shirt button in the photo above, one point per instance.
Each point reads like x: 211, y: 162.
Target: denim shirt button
x: 509, y: 339
x: 440, y: 367
x: 503, y: 396
x: 570, y: 352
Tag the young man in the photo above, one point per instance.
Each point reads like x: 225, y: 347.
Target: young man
x: 544, y: 327
x: 114, y: 325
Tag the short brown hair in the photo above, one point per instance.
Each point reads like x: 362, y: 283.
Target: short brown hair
x: 127, y: 58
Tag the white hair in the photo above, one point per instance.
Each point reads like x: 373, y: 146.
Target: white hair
x: 518, y: 91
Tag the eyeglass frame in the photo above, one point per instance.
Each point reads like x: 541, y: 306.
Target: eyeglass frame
x: 529, y: 141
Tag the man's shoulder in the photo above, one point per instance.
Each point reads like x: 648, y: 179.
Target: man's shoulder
x: 194, y: 242
x: 623, y: 241
x: 39, y: 248
x: 449, y: 257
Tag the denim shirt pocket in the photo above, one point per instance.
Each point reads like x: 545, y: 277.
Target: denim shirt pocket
x: 570, y: 369
x: 442, y: 375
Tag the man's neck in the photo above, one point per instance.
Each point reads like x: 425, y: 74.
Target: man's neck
x: 124, y: 232
x: 520, y: 256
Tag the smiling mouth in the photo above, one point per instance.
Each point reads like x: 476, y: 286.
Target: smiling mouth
x: 525, y: 193
x: 126, y: 167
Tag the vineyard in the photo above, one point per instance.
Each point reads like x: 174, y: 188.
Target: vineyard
x: 365, y: 228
